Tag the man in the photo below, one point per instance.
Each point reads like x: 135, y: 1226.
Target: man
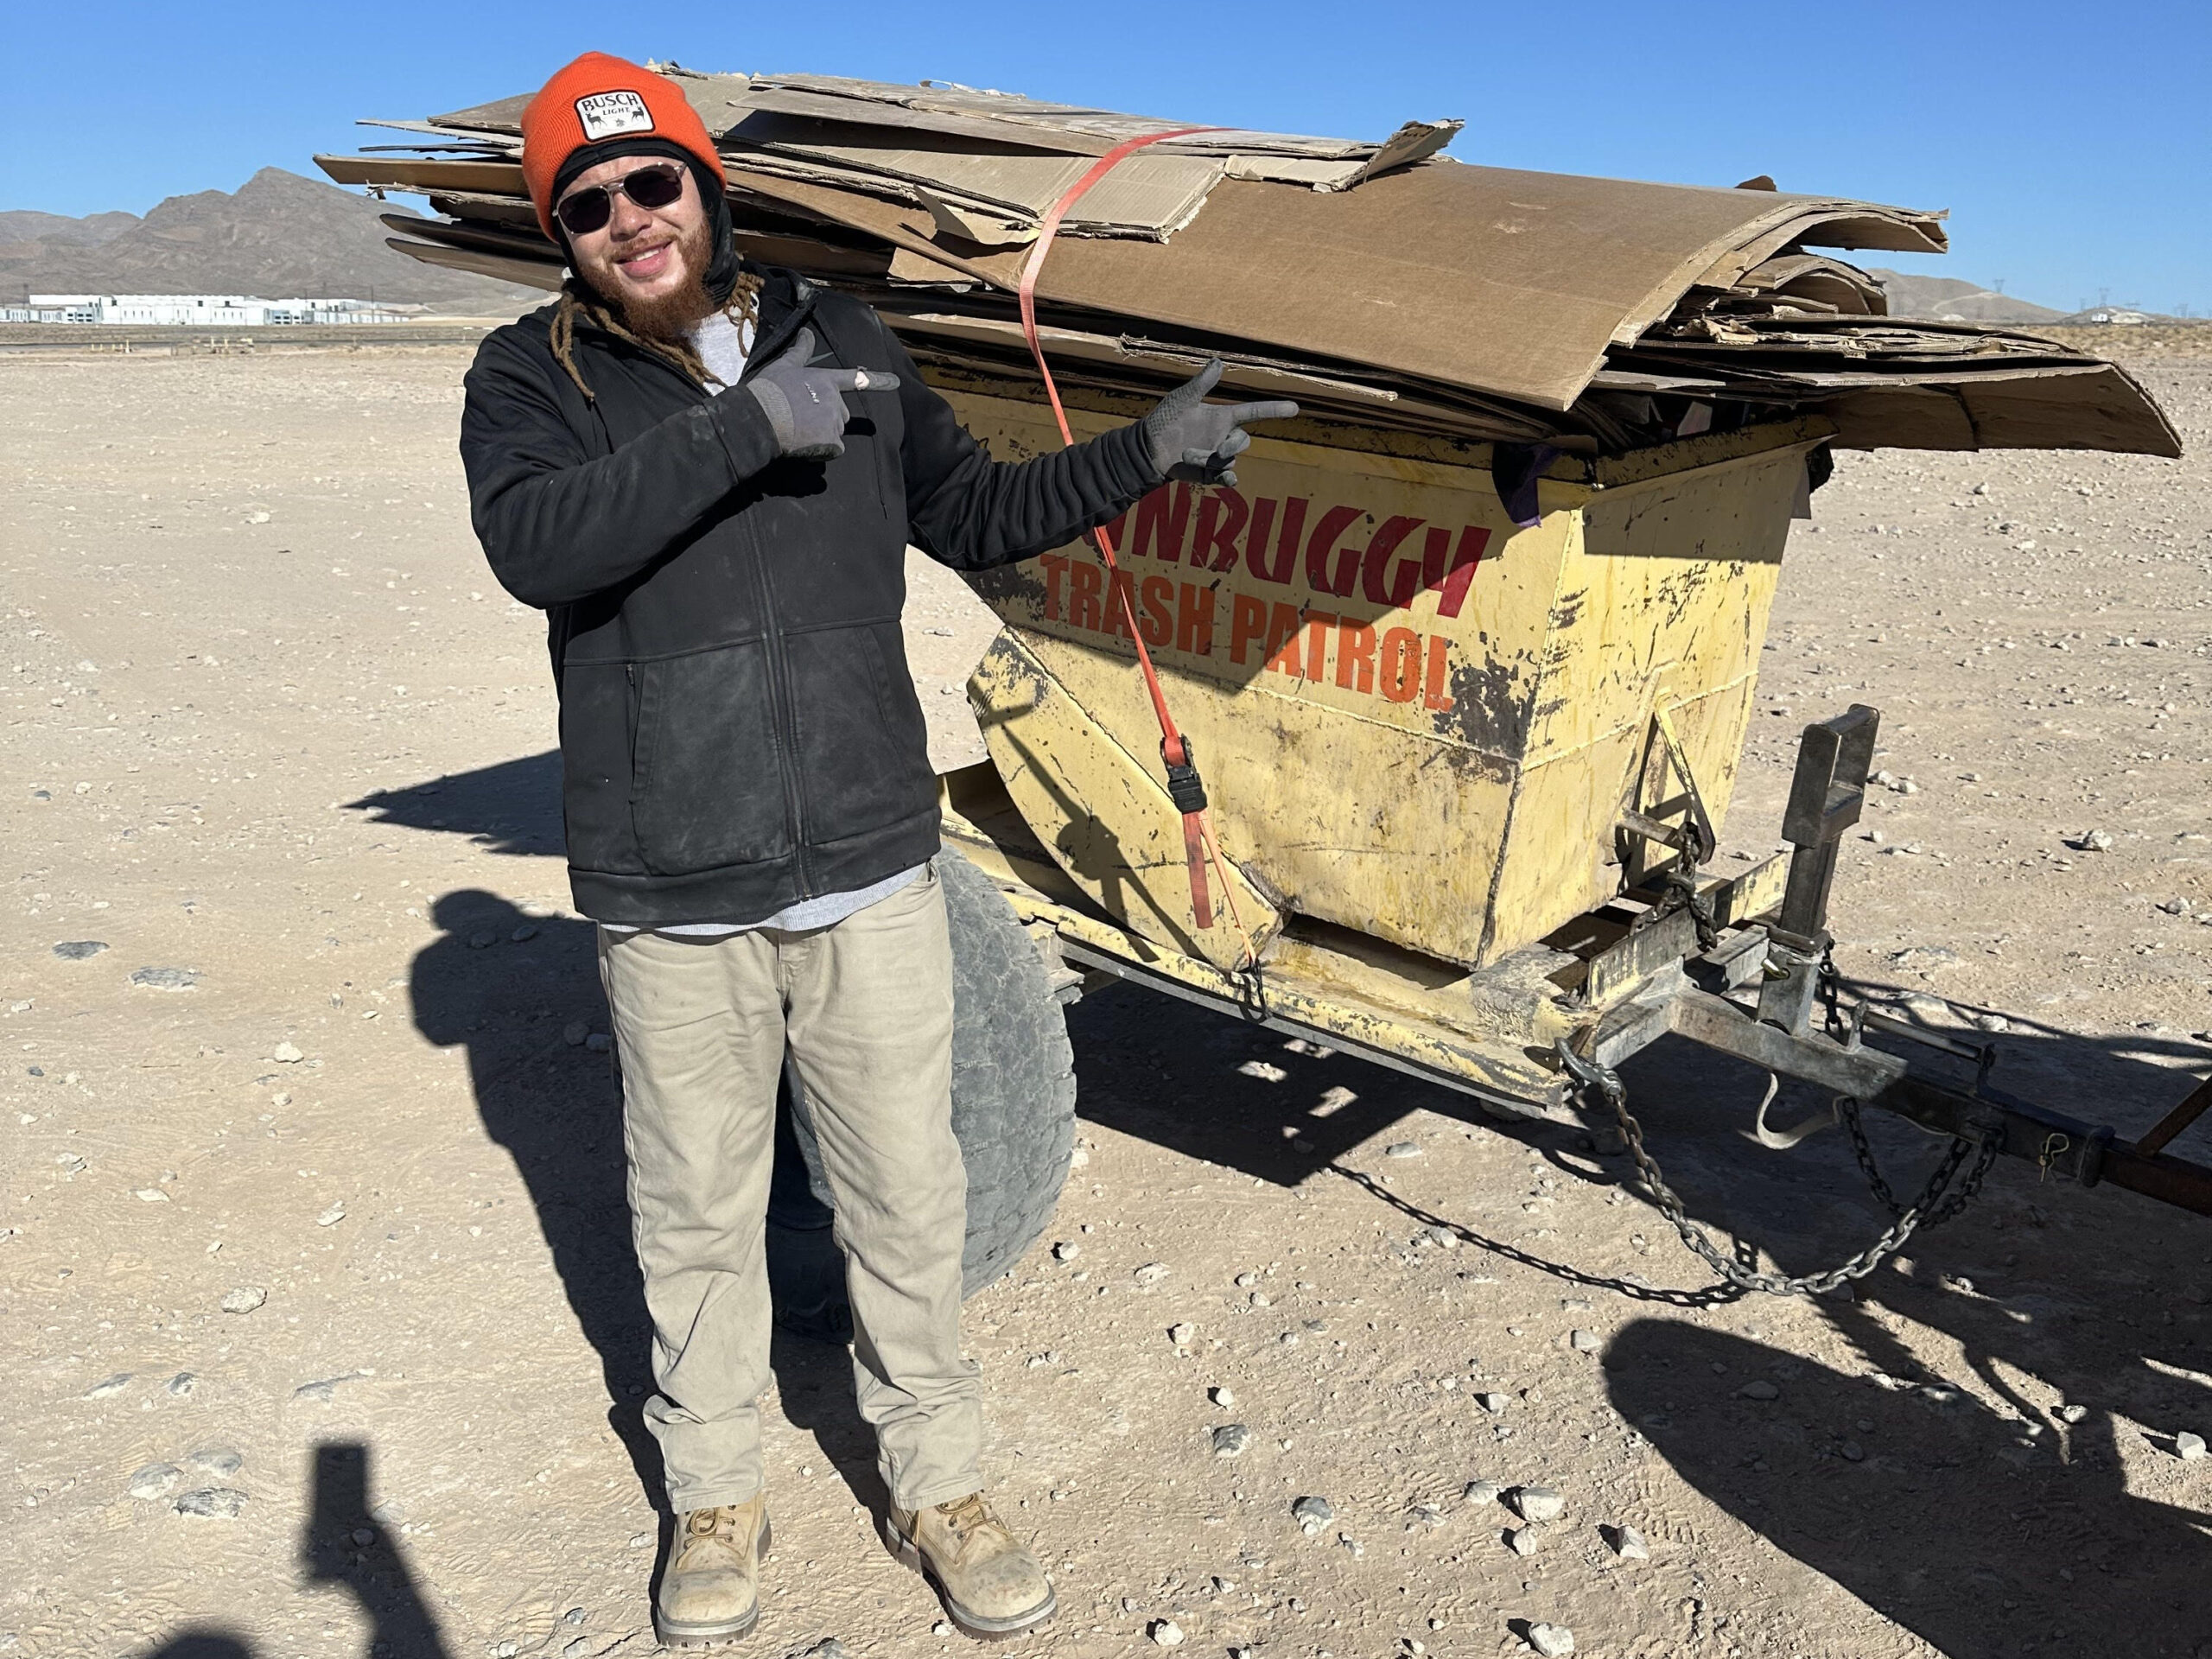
x: 706, y: 473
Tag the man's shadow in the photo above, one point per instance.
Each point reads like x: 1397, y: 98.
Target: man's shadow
x: 557, y: 1107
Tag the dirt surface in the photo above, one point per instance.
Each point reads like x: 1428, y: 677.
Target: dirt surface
x: 277, y: 737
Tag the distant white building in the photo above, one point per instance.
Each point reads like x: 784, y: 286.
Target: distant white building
x: 209, y: 310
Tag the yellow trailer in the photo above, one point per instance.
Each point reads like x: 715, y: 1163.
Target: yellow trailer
x: 1470, y: 716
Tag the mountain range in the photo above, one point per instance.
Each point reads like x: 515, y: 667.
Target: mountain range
x: 278, y: 236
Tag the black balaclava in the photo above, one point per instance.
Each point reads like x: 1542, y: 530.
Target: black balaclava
x: 721, y: 257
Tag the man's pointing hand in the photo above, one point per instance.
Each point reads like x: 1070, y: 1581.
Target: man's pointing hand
x: 805, y: 406
x: 1196, y: 440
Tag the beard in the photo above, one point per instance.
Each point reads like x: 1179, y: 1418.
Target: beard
x: 673, y: 315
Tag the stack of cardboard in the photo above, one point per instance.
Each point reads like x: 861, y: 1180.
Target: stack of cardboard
x: 1377, y: 284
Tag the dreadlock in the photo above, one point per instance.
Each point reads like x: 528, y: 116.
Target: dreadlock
x: 742, y: 308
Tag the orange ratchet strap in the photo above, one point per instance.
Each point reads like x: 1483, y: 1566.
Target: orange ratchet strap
x: 1183, y: 784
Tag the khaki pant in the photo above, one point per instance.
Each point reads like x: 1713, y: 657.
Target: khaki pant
x: 702, y: 1024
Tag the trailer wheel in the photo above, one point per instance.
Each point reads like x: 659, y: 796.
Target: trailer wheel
x: 1012, y: 1113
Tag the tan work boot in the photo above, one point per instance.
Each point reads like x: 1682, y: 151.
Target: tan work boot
x: 711, y: 1591
x: 990, y: 1583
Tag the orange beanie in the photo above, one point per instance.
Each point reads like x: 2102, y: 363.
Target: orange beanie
x: 599, y: 98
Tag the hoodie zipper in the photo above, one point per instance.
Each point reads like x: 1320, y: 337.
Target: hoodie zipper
x: 779, y: 697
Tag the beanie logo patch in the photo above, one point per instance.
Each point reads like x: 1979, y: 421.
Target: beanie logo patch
x: 604, y: 114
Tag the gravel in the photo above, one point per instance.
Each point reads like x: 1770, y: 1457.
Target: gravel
x: 213, y: 1503
x: 166, y: 979
x: 1538, y: 1503
x: 154, y: 1480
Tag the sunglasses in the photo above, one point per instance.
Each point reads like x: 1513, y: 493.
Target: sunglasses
x: 582, y: 212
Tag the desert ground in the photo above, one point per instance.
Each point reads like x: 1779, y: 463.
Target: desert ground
x: 322, y: 1333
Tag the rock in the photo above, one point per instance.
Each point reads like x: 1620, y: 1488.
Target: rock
x: 1246, y: 1279
x: 482, y: 941
x: 1230, y: 1439
x: 1402, y: 1149
x: 1066, y: 1251
x: 1223, y: 1396
x: 1583, y: 1342
x: 1151, y: 1273
x: 182, y: 1384
x: 109, y: 1385
x: 597, y: 1043
x: 1164, y: 1632
x: 1352, y: 1544
x: 364, y: 1536
x: 1523, y: 1541
x: 1312, y: 1514
x: 828, y: 1647
x: 166, y: 979
x: 154, y: 1480
x: 2175, y: 906
x: 1427, y: 1513
x: 2072, y: 1414
x: 2188, y: 1446
x: 218, y: 1460
x: 150, y: 1195
x: 1853, y: 1452
x: 79, y: 950
x: 1552, y: 1641
x: 331, y: 1217
x: 2097, y: 841
x: 943, y: 1627
x: 214, y: 1502
x: 1482, y: 1491
x: 1628, y: 1544
x: 244, y: 1300
x: 286, y: 1054
x: 1264, y: 1071
x: 1759, y: 1388
x: 1181, y: 1332
x: 1492, y: 1403
x: 1538, y: 1503
x: 574, y: 1034
x: 524, y: 934
x: 324, y: 1387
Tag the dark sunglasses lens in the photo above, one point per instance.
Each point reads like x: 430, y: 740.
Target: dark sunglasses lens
x: 653, y: 186
x: 585, y: 212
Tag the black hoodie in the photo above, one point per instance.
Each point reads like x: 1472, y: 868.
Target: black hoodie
x: 739, y: 730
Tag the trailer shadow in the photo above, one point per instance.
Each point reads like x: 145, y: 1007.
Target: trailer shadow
x: 1926, y: 1466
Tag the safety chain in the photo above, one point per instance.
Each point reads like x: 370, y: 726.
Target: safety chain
x: 1846, y: 1110
x: 1679, y: 892
x: 1925, y: 1210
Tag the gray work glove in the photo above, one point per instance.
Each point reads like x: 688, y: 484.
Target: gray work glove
x: 805, y: 406
x: 1196, y: 440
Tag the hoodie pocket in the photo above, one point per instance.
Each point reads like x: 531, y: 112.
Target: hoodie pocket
x: 863, y: 747
x: 705, y: 784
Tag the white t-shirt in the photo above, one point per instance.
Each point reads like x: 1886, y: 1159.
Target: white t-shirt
x: 722, y: 344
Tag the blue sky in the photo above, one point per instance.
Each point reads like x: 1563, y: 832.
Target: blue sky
x: 2072, y: 143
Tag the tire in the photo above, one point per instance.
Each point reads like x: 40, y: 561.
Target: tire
x: 1012, y: 1113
